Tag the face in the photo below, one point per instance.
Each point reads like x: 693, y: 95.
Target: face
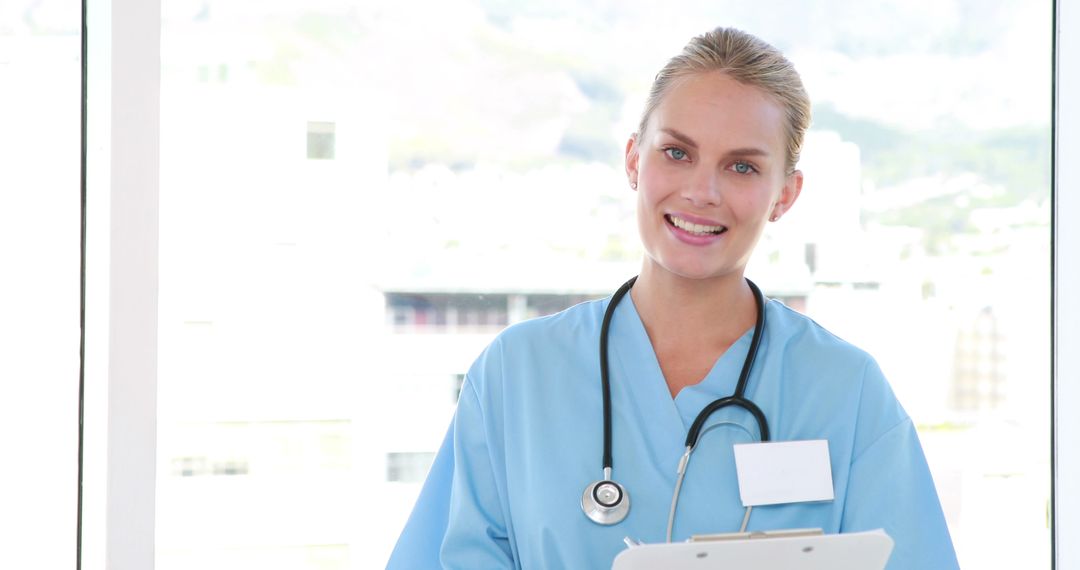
x: 710, y: 171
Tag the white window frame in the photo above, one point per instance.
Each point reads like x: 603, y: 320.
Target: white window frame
x: 122, y: 284
x: 120, y: 379
x: 1065, y: 285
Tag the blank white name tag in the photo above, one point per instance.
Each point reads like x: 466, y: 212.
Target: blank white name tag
x: 773, y: 473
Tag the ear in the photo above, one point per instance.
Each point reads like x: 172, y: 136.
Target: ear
x: 788, y: 194
x: 631, y: 160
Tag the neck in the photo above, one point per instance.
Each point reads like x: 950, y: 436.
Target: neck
x: 714, y: 310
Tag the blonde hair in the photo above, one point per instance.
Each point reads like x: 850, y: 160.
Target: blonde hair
x: 748, y: 60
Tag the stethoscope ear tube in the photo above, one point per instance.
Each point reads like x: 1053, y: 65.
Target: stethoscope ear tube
x: 755, y: 342
x: 604, y: 377
x: 738, y: 398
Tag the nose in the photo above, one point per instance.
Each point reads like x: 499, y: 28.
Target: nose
x: 703, y: 188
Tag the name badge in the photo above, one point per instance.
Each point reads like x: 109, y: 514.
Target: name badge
x: 773, y: 473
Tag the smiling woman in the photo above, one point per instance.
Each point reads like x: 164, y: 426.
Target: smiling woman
x: 713, y: 161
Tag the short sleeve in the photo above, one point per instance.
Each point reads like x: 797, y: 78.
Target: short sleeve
x: 476, y: 531
x: 458, y: 520
x: 890, y: 485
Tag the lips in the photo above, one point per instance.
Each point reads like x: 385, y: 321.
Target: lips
x: 694, y: 227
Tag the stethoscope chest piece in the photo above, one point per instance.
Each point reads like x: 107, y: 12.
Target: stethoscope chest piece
x: 605, y: 502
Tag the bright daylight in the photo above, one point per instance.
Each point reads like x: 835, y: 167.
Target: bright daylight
x: 356, y: 198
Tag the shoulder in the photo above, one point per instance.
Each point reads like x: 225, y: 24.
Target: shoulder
x: 542, y: 345
x: 574, y: 323
x: 816, y: 365
x: 797, y: 336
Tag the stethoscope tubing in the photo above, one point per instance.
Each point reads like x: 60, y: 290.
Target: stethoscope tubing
x: 737, y: 399
x: 606, y: 502
x: 605, y: 380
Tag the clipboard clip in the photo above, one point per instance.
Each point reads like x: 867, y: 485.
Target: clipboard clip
x: 757, y: 534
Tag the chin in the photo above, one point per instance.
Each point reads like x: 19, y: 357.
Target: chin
x: 695, y: 271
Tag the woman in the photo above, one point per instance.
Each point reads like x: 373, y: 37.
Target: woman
x: 712, y: 162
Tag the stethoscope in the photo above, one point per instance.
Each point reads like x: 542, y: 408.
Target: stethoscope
x: 606, y: 502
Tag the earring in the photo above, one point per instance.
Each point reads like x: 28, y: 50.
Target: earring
x: 774, y: 218
x: 633, y: 185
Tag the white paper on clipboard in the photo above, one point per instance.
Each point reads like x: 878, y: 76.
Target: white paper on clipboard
x: 868, y: 550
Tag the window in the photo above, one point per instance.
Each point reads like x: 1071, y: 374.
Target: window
x: 405, y: 467
x: 933, y: 228
x: 476, y: 181
x: 448, y: 312
x: 40, y: 76
x: 320, y: 140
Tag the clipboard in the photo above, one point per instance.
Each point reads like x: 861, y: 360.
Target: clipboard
x: 869, y: 550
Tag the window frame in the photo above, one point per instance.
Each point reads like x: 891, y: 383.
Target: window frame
x: 1065, y: 277
x: 120, y: 225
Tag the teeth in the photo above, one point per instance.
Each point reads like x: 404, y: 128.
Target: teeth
x: 694, y: 228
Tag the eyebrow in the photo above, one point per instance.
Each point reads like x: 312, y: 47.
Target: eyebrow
x: 745, y: 151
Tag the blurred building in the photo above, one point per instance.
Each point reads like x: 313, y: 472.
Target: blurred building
x: 979, y: 365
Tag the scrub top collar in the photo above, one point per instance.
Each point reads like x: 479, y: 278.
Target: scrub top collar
x: 638, y: 373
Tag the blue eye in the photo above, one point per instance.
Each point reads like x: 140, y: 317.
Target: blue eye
x: 743, y: 167
x: 676, y: 153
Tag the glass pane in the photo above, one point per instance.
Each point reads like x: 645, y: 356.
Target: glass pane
x: 356, y: 198
x: 40, y: 90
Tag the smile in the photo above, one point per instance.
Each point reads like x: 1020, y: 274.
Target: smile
x: 696, y: 229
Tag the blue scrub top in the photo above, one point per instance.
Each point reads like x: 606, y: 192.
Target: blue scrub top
x: 527, y: 438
